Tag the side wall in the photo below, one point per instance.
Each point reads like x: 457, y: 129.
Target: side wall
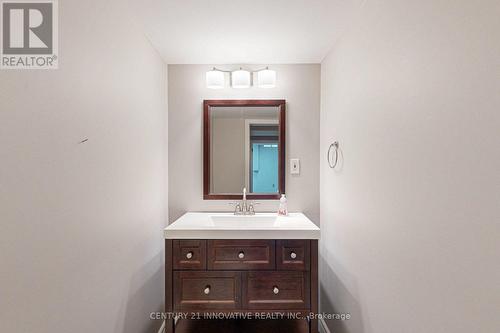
x: 81, y: 246
x: 298, y: 84
x: 410, y: 218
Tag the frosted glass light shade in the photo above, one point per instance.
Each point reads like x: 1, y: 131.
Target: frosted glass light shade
x: 266, y: 78
x: 215, y: 79
x: 240, y: 79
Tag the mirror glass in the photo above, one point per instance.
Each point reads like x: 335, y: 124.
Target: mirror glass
x: 244, y: 149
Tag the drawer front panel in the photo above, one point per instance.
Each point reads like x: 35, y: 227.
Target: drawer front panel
x: 190, y: 254
x: 207, y: 290
x: 293, y: 255
x: 275, y: 290
x: 241, y: 254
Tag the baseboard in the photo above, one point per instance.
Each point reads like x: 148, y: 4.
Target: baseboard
x: 323, y: 327
x: 162, y: 328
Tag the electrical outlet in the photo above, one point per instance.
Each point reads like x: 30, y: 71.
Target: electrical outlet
x: 294, y: 166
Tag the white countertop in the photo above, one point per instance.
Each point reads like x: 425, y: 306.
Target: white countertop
x: 229, y: 226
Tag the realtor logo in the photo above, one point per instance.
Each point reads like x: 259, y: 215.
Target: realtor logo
x: 29, y: 34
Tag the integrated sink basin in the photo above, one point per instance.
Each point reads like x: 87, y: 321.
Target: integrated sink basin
x: 229, y: 226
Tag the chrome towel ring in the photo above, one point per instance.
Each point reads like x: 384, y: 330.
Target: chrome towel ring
x: 334, y: 145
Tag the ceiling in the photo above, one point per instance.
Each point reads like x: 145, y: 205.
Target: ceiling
x: 242, y: 32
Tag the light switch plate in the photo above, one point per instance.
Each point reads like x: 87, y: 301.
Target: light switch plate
x: 294, y: 166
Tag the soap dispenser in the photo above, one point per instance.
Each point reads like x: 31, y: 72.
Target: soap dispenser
x: 283, y: 209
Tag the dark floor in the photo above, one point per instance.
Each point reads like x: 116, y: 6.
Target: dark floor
x: 242, y: 326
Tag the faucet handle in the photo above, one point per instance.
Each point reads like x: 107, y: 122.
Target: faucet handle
x: 237, y: 208
x: 251, y: 207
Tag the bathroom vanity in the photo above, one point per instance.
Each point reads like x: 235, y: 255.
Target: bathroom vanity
x: 253, y: 267
x: 219, y: 263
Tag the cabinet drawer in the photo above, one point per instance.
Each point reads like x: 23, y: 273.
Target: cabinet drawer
x: 190, y: 254
x: 275, y: 290
x: 241, y: 254
x: 207, y: 290
x: 293, y: 255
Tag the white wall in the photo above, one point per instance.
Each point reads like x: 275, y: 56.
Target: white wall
x: 81, y: 246
x: 227, y: 170
x: 298, y: 84
x: 411, y: 219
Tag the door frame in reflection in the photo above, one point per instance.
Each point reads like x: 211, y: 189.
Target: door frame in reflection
x: 248, y: 149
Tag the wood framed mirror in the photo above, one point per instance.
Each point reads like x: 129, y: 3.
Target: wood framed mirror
x: 243, y: 147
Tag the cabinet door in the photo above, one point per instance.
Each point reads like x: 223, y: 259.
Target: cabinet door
x: 293, y: 255
x: 241, y: 254
x: 190, y: 254
x: 199, y: 291
x: 276, y: 290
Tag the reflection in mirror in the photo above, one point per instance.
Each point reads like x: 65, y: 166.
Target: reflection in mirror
x: 244, y: 149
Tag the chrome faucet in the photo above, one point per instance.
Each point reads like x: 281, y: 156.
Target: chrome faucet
x: 244, y: 208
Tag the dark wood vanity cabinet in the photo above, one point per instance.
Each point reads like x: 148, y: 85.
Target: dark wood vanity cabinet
x: 242, y: 276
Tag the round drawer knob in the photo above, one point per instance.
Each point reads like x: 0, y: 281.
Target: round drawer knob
x: 276, y: 290
x: 207, y: 290
x: 241, y: 255
x: 189, y: 255
x: 293, y: 255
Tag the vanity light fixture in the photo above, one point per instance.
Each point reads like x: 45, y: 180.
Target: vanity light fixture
x: 215, y: 79
x: 266, y: 78
x: 240, y: 79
